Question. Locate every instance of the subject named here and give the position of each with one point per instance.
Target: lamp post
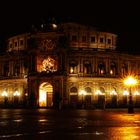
(130, 81)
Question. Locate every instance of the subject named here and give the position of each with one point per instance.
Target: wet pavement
(40, 124)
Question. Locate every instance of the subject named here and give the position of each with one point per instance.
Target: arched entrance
(88, 97)
(114, 96)
(45, 95)
(101, 98)
(73, 97)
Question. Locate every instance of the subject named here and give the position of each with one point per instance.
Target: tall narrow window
(93, 39)
(101, 39)
(101, 68)
(6, 69)
(108, 41)
(87, 67)
(15, 44)
(84, 39)
(124, 69)
(21, 42)
(73, 67)
(74, 38)
(112, 68)
(16, 69)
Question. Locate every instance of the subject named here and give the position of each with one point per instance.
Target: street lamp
(130, 81)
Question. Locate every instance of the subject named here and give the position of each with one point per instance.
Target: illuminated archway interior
(45, 95)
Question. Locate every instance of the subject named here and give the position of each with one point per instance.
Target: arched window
(73, 96)
(88, 89)
(113, 91)
(101, 68)
(102, 90)
(73, 90)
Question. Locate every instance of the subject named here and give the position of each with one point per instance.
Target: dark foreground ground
(40, 124)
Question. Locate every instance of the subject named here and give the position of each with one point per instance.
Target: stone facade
(71, 65)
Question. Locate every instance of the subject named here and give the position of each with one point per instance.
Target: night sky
(121, 18)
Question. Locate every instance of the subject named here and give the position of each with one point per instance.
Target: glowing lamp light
(136, 93)
(4, 94)
(113, 92)
(16, 93)
(82, 92)
(130, 81)
(125, 92)
(102, 71)
(98, 92)
(71, 70)
(54, 26)
(111, 72)
(42, 98)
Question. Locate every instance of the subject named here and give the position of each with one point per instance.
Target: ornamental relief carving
(47, 44)
(49, 65)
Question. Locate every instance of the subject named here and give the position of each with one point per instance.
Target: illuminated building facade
(69, 63)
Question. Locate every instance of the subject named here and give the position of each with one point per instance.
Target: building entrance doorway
(45, 95)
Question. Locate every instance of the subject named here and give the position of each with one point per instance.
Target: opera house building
(70, 63)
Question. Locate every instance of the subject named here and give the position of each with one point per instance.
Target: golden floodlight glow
(98, 92)
(42, 98)
(111, 72)
(130, 81)
(71, 70)
(16, 93)
(54, 26)
(4, 94)
(82, 92)
(125, 92)
(136, 93)
(113, 92)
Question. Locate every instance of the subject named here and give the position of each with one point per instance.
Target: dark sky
(114, 16)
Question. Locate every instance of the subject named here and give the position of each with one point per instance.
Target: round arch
(73, 96)
(45, 95)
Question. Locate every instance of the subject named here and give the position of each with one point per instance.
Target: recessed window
(10, 46)
(113, 68)
(73, 90)
(108, 41)
(15, 44)
(101, 68)
(6, 69)
(84, 39)
(124, 69)
(87, 67)
(101, 39)
(74, 38)
(93, 39)
(21, 42)
(73, 67)
(16, 69)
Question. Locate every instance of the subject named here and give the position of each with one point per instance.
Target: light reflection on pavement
(69, 124)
